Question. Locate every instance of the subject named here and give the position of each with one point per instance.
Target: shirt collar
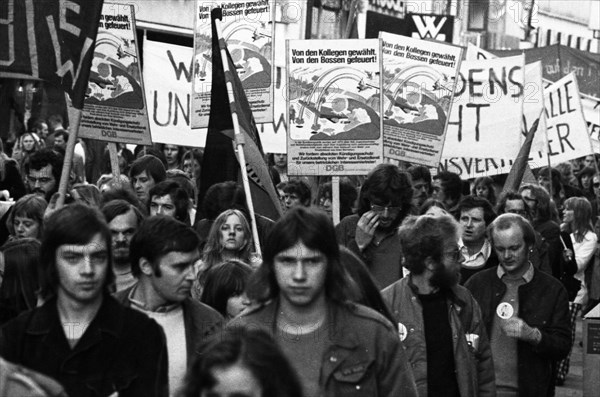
(527, 276)
(485, 251)
(142, 306)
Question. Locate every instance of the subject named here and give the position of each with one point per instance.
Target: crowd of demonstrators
(181, 267)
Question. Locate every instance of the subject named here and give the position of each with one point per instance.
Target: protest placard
(168, 76)
(115, 105)
(487, 110)
(568, 136)
(247, 29)
(591, 113)
(419, 79)
(334, 102)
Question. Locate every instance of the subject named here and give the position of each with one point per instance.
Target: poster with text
(115, 106)
(487, 111)
(334, 101)
(419, 79)
(247, 27)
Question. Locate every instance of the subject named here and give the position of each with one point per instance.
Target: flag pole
(238, 136)
(114, 160)
(66, 170)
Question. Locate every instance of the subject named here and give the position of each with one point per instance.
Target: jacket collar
(451, 293)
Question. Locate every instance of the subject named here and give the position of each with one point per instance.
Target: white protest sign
(247, 27)
(335, 107)
(568, 136)
(419, 80)
(168, 77)
(487, 111)
(591, 113)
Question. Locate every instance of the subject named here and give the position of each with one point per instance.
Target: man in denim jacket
(338, 348)
(438, 320)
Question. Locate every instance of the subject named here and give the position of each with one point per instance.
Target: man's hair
(451, 184)
(125, 193)
(390, 185)
(470, 202)
(543, 210)
(73, 224)
(222, 196)
(315, 230)
(118, 207)
(420, 172)
(300, 188)
(554, 175)
(42, 158)
(255, 351)
(63, 133)
(178, 195)
(506, 221)
(152, 165)
(156, 237)
(423, 237)
(29, 206)
(510, 196)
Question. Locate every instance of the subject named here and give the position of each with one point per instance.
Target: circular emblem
(505, 310)
(402, 331)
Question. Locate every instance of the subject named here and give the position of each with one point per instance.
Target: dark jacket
(122, 351)
(474, 367)
(543, 304)
(384, 259)
(363, 356)
(200, 321)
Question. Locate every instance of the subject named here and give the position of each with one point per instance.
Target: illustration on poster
(418, 98)
(114, 75)
(341, 103)
(252, 60)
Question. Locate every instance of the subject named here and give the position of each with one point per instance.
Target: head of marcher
(512, 238)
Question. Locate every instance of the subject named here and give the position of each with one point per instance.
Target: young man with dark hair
(123, 221)
(475, 214)
(163, 252)
(296, 192)
(170, 199)
(81, 336)
(447, 343)
(339, 348)
(525, 312)
(43, 172)
(385, 199)
(421, 184)
(448, 188)
(146, 172)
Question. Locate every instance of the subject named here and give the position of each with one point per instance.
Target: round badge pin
(505, 310)
(402, 331)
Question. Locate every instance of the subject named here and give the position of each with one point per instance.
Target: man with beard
(525, 312)
(163, 252)
(123, 221)
(338, 347)
(384, 201)
(43, 172)
(439, 321)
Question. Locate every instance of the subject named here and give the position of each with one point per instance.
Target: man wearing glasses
(384, 201)
(43, 172)
(439, 321)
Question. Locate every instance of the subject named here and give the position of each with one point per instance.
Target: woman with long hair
(229, 237)
(484, 187)
(225, 288)
(577, 221)
(26, 145)
(20, 283)
(11, 183)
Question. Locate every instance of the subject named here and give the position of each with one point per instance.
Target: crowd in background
(162, 181)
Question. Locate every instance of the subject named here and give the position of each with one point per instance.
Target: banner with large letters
(49, 40)
(487, 111)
